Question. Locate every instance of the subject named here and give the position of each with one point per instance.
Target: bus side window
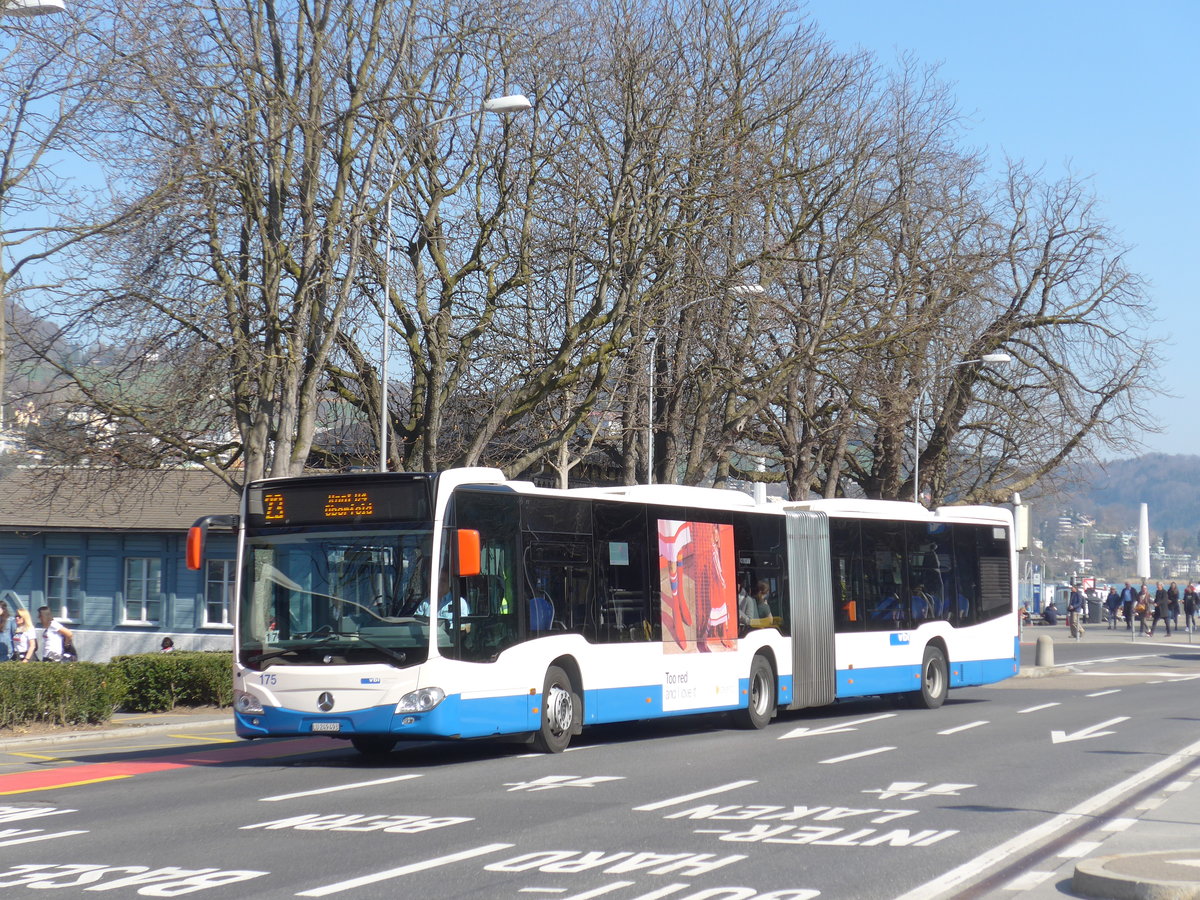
(846, 570)
(622, 609)
(490, 623)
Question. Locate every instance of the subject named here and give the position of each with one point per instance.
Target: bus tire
(561, 708)
(373, 745)
(935, 679)
(760, 705)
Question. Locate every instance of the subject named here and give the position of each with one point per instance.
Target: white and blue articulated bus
(385, 607)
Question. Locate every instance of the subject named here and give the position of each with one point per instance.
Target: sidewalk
(1148, 852)
(122, 725)
(1152, 852)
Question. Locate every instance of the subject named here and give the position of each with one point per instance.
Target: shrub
(155, 682)
(56, 693)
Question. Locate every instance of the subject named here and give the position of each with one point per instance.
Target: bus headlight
(421, 701)
(247, 704)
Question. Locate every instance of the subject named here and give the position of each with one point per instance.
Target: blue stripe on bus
(900, 679)
(483, 717)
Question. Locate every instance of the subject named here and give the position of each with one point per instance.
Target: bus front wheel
(373, 745)
(760, 705)
(935, 679)
(560, 712)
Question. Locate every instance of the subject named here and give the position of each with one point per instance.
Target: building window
(62, 587)
(218, 588)
(143, 586)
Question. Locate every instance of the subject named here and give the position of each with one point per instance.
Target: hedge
(82, 692)
(155, 682)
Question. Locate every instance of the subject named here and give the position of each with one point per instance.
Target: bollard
(1044, 652)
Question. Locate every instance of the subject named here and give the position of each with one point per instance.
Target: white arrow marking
(1061, 737)
(839, 728)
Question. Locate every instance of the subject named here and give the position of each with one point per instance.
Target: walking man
(1128, 599)
(1075, 612)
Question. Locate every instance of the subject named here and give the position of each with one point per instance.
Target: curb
(116, 732)
(1138, 876)
(1045, 671)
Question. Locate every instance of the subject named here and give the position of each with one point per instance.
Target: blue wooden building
(104, 549)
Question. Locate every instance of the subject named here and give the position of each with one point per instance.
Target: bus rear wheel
(935, 679)
(560, 712)
(760, 704)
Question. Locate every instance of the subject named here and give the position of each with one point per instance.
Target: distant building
(104, 549)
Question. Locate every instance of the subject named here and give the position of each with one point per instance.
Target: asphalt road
(860, 800)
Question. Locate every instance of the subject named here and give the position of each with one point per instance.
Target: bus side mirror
(468, 552)
(198, 534)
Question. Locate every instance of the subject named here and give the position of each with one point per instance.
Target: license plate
(326, 726)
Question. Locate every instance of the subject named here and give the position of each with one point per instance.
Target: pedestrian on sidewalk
(1173, 601)
(1142, 608)
(1189, 607)
(25, 642)
(1111, 602)
(54, 637)
(8, 632)
(1128, 600)
(1075, 612)
(1162, 610)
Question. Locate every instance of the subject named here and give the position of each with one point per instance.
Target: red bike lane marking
(94, 773)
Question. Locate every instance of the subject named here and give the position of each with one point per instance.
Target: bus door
(811, 590)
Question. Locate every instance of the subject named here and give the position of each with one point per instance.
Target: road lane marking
(93, 773)
(1118, 824)
(990, 859)
(850, 756)
(1078, 849)
(204, 739)
(1105, 693)
(39, 837)
(688, 798)
(837, 728)
(1084, 734)
(410, 869)
(1028, 881)
(964, 727)
(337, 788)
(1036, 708)
(73, 776)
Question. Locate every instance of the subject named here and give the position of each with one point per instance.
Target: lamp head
(507, 104)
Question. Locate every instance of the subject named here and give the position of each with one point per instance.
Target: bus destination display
(314, 504)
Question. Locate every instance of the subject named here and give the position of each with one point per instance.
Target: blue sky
(1107, 90)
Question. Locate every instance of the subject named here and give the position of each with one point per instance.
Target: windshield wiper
(398, 655)
(271, 654)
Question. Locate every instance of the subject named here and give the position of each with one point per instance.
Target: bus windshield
(346, 596)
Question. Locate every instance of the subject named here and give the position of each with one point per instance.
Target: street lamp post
(738, 290)
(987, 359)
(506, 104)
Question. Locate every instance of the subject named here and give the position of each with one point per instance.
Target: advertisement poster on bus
(698, 586)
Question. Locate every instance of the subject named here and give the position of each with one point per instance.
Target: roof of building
(86, 499)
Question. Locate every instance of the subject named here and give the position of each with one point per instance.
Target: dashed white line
(688, 798)
(964, 727)
(1078, 849)
(387, 874)
(1036, 708)
(337, 788)
(39, 837)
(1028, 881)
(850, 756)
(1118, 824)
(1102, 693)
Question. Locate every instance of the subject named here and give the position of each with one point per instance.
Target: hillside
(1112, 495)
